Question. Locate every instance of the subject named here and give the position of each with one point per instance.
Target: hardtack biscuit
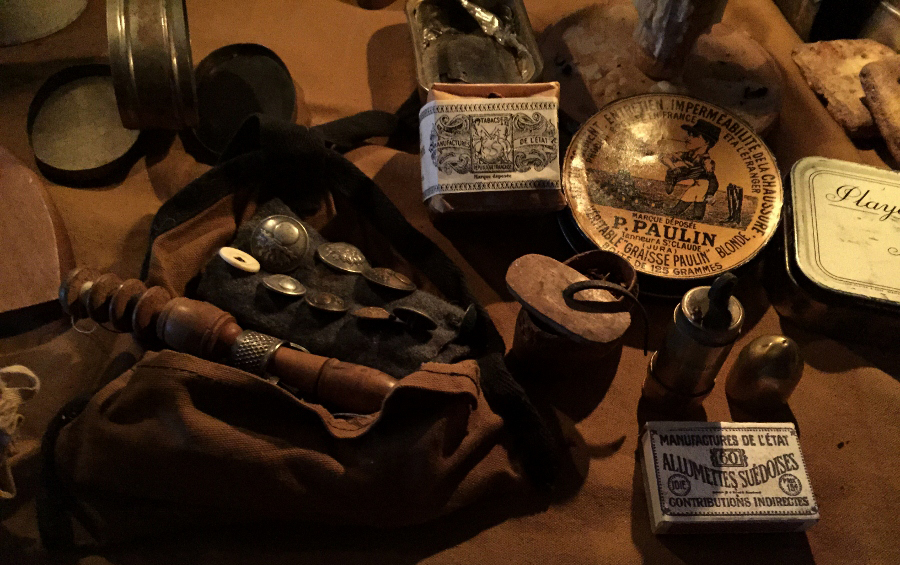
(880, 83)
(831, 68)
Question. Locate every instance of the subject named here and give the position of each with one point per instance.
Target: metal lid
(27, 21)
(150, 56)
(233, 83)
(75, 131)
(681, 188)
(844, 228)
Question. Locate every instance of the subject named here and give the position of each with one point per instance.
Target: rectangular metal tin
(428, 74)
(704, 477)
(839, 265)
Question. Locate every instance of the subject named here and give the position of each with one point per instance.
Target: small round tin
(233, 83)
(283, 284)
(326, 301)
(150, 56)
(343, 257)
(388, 278)
(681, 188)
(280, 243)
(75, 131)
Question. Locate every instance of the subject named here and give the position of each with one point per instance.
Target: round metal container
(150, 56)
(233, 83)
(681, 188)
(75, 131)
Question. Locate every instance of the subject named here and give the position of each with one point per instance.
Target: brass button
(280, 242)
(343, 257)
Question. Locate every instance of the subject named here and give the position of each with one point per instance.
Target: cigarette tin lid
(680, 187)
(844, 230)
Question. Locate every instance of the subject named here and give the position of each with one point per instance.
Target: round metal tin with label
(681, 188)
(837, 269)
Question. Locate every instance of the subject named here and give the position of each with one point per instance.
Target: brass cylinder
(686, 366)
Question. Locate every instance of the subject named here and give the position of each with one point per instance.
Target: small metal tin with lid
(837, 268)
(475, 43)
(680, 187)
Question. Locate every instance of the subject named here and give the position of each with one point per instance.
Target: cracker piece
(831, 68)
(880, 81)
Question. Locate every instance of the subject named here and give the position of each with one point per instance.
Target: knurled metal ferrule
(251, 351)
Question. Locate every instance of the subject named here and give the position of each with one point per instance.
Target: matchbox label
(721, 469)
(679, 187)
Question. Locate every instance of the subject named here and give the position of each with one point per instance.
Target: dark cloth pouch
(180, 442)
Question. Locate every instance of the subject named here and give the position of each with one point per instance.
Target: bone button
(239, 259)
(389, 279)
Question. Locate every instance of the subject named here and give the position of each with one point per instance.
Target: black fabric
(54, 502)
(287, 161)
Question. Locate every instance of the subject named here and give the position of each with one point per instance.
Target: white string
(17, 385)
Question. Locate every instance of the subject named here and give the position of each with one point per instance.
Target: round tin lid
(75, 131)
(681, 188)
(233, 83)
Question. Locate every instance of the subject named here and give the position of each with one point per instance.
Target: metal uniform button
(327, 301)
(415, 318)
(389, 279)
(283, 284)
(280, 243)
(239, 259)
(343, 257)
(372, 313)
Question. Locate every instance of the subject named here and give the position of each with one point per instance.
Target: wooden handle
(204, 330)
(331, 382)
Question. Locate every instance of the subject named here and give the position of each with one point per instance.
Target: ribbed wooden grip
(197, 328)
(204, 330)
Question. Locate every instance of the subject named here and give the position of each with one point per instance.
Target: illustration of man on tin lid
(693, 172)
